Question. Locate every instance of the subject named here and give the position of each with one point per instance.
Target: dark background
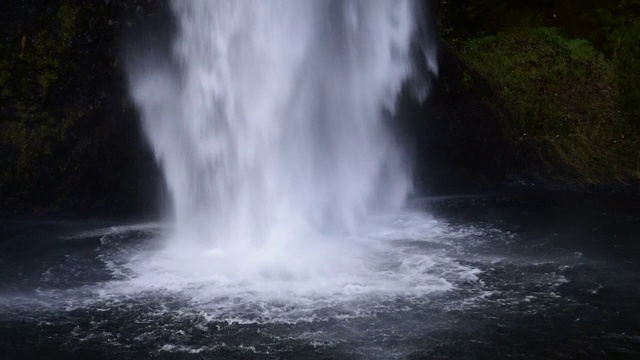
(511, 74)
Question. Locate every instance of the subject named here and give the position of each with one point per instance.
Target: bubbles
(400, 256)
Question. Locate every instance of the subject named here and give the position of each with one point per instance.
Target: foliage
(32, 129)
(562, 96)
(568, 72)
(597, 21)
(61, 96)
(626, 60)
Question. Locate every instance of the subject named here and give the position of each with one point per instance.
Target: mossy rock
(66, 142)
(563, 97)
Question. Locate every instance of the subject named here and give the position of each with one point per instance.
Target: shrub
(563, 97)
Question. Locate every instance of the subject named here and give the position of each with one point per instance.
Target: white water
(269, 126)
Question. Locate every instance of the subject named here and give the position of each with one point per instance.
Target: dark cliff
(541, 92)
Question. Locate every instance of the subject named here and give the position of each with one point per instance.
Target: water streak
(270, 124)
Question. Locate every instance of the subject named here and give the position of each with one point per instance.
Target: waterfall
(272, 119)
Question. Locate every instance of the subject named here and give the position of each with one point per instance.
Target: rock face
(69, 138)
(456, 134)
(563, 76)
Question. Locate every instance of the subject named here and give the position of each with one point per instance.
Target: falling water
(270, 125)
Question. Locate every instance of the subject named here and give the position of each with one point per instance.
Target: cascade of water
(271, 122)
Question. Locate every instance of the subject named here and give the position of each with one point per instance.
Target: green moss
(627, 65)
(46, 79)
(67, 16)
(562, 95)
(467, 80)
(34, 121)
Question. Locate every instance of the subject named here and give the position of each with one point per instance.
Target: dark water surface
(529, 276)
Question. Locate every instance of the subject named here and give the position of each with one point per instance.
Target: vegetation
(568, 74)
(562, 95)
(65, 124)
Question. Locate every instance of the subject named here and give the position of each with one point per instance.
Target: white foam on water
(337, 278)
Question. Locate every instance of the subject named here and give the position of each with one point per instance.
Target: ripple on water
(406, 269)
